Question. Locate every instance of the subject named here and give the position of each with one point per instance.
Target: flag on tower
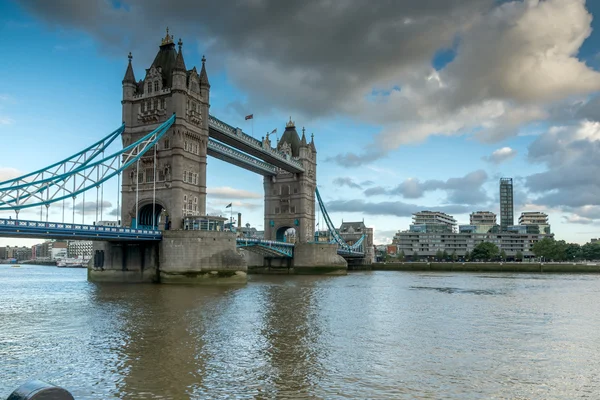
(273, 131)
(229, 205)
(251, 116)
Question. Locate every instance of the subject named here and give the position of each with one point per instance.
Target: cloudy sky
(414, 104)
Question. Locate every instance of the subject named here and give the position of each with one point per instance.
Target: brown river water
(368, 335)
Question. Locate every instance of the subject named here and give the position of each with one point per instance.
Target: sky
(413, 105)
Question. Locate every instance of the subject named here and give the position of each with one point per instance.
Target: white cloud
(7, 173)
(501, 155)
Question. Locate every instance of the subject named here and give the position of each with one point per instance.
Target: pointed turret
(312, 142)
(303, 140)
(203, 75)
(179, 63)
(129, 76)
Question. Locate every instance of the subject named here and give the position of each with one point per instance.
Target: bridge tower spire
(180, 189)
(290, 198)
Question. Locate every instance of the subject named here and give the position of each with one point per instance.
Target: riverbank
(528, 267)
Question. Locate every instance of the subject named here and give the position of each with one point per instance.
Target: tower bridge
(167, 134)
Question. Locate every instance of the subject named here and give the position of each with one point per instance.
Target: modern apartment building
(535, 222)
(480, 222)
(428, 244)
(432, 222)
(506, 204)
(79, 249)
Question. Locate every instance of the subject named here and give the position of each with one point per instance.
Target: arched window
(149, 87)
(184, 175)
(156, 86)
(156, 104)
(185, 145)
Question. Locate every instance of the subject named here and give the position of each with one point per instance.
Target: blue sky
(425, 107)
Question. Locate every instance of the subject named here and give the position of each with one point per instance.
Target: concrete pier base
(124, 262)
(309, 259)
(191, 257)
(200, 257)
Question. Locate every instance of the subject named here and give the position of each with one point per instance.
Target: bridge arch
(283, 233)
(149, 211)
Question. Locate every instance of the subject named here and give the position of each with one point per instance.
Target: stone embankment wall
(567, 268)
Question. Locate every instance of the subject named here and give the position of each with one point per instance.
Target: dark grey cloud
(394, 208)
(464, 190)
(571, 181)
(115, 212)
(346, 182)
(321, 58)
(367, 183)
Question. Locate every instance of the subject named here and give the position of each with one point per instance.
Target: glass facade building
(506, 204)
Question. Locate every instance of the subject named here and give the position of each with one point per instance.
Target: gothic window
(293, 209)
(190, 204)
(285, 190)
(149, 87)
(149, 175)
(163, 104)
(167, 144)
(195, 204)
(189, 177)
(184, 175)
(195, 178)
(194, 106)
(156, 86)
(185, 145)
(140, 177)
(295, 190)
(276, 210)
(143, 106)
(284, 209)
(161, 175)
(149, 106)
(156, 104)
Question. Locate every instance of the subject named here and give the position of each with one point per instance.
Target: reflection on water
(365, 335)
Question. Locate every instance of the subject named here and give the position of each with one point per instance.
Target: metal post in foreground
(38, 390)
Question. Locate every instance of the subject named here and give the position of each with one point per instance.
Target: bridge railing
(265, 242)
(75, 227)
(221, 148)
(239, 134)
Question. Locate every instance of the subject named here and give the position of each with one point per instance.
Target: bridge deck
(59, 230)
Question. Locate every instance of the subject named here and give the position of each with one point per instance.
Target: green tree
(415, 256)
(591, 251)
(544, 248)
(445, 255)
(519, 256)
(401, 256)
(502, 255)
(467, 256)
(439, 255)
(485, 251)
(573, 252)
(454, 257)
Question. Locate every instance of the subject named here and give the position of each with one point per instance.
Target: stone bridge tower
(168, 87)
(290, 198)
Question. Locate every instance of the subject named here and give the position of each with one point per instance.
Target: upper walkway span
(236, 138)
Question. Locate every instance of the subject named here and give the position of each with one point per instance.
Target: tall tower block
(506, 204)
(168, 87)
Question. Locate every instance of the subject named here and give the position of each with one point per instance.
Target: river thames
(368, 335)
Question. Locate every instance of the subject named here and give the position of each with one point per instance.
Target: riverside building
(426, 245)
(506, 204)
(433, 222)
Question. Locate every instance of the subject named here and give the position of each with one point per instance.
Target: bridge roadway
(66, 231)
